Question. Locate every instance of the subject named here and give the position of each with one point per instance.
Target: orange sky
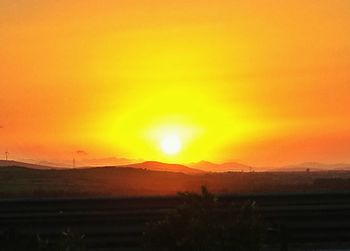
(261, 82)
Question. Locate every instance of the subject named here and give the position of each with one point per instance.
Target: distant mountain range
(159, 166)
(224, 167)
(199, 167)
(147, 165)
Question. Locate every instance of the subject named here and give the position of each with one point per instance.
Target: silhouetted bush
(203, 223)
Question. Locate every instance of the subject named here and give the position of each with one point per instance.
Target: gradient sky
(264, 82)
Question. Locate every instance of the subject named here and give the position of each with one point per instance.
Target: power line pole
(6, 155)
(73, 162)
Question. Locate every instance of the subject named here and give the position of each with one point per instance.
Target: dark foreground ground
(110, 206)
(22, 182)
(294, 221)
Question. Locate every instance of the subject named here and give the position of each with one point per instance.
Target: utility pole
(73, 162)
(6, 155)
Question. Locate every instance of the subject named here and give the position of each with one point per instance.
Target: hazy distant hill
(109, 161)
(137, 181)
(9, 163)
(313, 166)
(159, 166)
(224, 167)
(149, 165)
(199, 167)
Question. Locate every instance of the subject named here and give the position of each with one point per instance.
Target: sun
(171, 144)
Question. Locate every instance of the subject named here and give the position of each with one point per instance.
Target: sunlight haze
(262, 82)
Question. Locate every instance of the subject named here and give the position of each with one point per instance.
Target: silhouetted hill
(159, 166)
(130, 181)
(224, 167)
(148, 165)
(10, 163)
(95, 181)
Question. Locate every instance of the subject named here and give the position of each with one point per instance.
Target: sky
(263, 82)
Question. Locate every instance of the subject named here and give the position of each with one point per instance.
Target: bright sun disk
(170, 144)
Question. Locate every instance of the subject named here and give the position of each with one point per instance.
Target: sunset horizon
(262, 83)
(157, 125)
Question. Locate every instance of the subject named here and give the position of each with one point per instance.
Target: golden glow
(240, 80)
(171, 144)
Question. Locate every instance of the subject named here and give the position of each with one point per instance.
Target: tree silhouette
(202, 223)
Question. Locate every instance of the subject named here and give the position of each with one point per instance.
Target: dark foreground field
(292, 221)
(109, 207)
(113, 181)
